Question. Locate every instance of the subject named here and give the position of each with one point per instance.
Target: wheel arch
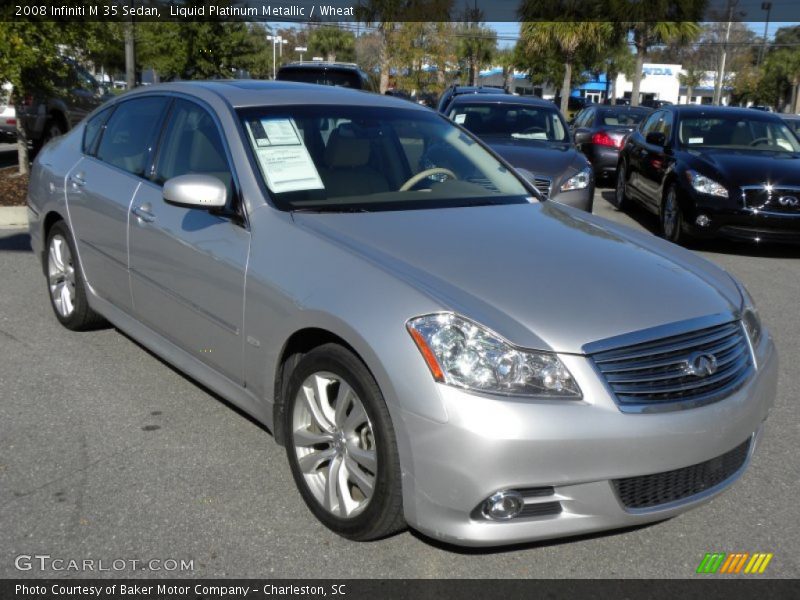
(50, 219)
(298, 344)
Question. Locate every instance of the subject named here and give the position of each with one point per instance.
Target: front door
(188, 265)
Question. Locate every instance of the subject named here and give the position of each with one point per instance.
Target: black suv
(327, 73)
(78, 94)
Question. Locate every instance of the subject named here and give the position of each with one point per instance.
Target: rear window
(623, 118)
(340, 78)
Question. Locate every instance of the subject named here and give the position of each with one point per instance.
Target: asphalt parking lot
(108, 453)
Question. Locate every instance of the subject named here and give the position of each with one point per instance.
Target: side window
(192, 145)
(130, 134)
(93, 129)
(666, 125)
(588, 117)
(651, 124)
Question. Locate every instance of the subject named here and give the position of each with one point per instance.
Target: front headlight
(466, 355)
(580, 181)
(706, 185)
(750, 317)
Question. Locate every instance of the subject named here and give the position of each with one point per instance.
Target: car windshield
(355, 158)
(520, 121)
(735, 132)
(333, 77)
(624, 118)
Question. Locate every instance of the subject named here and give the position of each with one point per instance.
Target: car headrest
(346, 149)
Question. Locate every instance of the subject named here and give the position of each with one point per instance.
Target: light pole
(276, 41)
(300, 49)
(767, 6)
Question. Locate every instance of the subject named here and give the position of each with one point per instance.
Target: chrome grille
(762, 198)
(693, 368)
(542, 185)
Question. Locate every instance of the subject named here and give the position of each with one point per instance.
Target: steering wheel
(757, 141)
(415, 179)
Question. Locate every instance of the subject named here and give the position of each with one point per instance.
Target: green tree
(567, 41)
(678, 26)
(332, 42)
(475, 48)
(691, 78)
(30, 60)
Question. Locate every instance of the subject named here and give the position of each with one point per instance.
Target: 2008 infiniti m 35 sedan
(432, 343)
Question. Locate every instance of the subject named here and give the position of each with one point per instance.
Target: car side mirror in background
(196, 191)
(656, 138)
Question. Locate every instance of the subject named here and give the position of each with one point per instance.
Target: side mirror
(196, 191)
(656, 138)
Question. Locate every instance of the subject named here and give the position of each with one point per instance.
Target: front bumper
(580, 199)
(491, 443)
(740, 224)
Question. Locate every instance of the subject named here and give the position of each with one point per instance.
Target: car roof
(500, 98)
(242, 93)
(622, 108)
(695, 110)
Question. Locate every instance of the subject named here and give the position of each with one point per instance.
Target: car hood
(547, 160)
(740, 167)
(542, 275)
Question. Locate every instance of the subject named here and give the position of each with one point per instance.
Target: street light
(276, 41)
(300, 49)
(767, 6)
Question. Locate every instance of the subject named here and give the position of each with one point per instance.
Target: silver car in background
(432, 344)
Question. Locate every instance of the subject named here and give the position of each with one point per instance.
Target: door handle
(143, 214)
(77, 180)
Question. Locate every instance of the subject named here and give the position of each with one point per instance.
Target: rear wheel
(65, 282)
(341, 445)
(621, 191)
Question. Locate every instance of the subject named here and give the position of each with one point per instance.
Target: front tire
(65, 282)
(671, 217)
(341, 445)
(621, 189)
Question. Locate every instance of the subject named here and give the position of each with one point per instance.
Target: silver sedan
(416, 327)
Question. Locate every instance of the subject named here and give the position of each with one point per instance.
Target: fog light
(503, 505)
(702, 221)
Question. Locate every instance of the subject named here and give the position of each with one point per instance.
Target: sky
(510, 31)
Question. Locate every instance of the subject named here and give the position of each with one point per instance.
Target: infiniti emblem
(788, 201)
(701, 365)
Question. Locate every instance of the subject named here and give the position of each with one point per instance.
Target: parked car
(430, 351)
(327, 73)
(8, 116)
(793, 121)
(78, 93)
(762, 108)
(715, 171)
(453, 91)
(656, 103)
(600, 133)
(532, 136)
(575, 104)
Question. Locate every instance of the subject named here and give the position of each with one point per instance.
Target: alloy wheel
(61, 275)
(670, 214)
(335, 444)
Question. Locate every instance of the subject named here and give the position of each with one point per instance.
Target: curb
(13, 216)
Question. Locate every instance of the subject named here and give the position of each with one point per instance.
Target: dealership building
(660, 82)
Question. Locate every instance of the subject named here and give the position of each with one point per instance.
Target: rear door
(636, 151)
(101, 186)
(188, 265)
(654, 165)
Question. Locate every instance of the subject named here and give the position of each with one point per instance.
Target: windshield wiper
(329, 209)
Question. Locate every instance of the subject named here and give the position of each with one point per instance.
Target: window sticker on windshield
(695, 140)
(536, 135)
(460, 118)
(284, 159)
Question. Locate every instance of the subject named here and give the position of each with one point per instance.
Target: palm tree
(476, 46)
(692, 78)
(330, 40)
(650, 33)
(568, 40)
